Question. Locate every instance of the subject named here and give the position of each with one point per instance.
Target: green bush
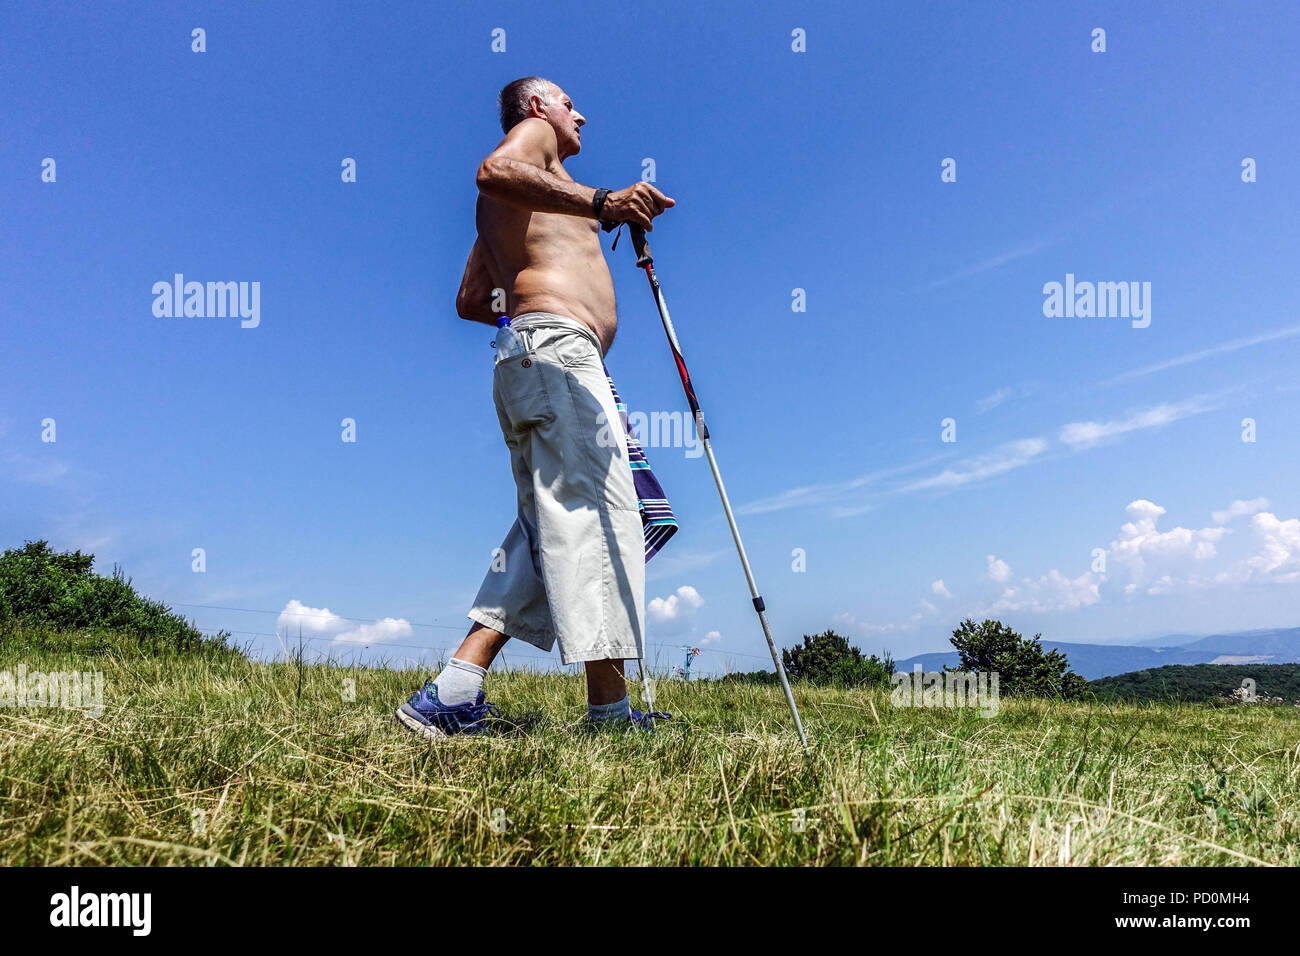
(761, 678)
(829, 660)
(51, 591)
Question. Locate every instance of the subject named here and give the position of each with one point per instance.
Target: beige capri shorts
(572, 567)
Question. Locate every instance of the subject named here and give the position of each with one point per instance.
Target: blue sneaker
(427, 715)
(643, 721)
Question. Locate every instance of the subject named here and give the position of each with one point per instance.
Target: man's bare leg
(605, 683)
(481, 646)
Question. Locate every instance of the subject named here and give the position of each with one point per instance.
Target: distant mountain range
(1091, 661)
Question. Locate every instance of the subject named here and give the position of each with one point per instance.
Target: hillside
(56, 600)
(1201, 682)
(1094, 661)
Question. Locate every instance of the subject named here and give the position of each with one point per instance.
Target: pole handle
(643, 257)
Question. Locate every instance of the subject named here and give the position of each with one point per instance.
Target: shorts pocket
(573, 349)
(519, 383)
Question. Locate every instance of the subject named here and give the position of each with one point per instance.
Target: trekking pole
(645, 261)
(647, 688)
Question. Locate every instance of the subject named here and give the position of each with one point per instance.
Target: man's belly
(590, 302)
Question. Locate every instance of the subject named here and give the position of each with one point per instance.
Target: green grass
(286, 772)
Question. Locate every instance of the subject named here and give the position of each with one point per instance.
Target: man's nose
(580, 119)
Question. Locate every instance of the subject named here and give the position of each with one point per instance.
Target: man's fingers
(643, 212)
(654, 201)
(661, 200)
(643, 202)
(650, 199)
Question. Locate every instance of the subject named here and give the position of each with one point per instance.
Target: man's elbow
(473, 311)
(489, 174)
(462, 307)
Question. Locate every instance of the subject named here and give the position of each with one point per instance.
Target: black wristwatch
(598, 203)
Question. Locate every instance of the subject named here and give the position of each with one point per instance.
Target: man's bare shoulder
(531, 141)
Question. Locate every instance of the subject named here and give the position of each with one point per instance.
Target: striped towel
(657, 519)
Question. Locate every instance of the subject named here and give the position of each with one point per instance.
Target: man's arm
(515, 173)
(477, 288)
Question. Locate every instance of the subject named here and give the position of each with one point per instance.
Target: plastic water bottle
(508, 342)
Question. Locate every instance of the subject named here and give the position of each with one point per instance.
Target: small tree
(1023, 667)
(828, 658)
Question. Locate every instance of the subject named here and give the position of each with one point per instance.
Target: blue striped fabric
(657, 519)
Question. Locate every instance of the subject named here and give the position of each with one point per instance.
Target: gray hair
(515, 97)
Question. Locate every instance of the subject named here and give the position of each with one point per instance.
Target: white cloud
(44, 470)
(862, 494)
(1051, 592)
(1011, 455)
(1272, 556)
(1001, 259)
(852, 624)
(830, 492)
(1239, 508)
(1140, 542)
(1190, 357)
(675, 612)
(1142, 560)
(1083, 435)
(388, 629)
(990, 402)
(323, 623)
(1278, 556)
(312, 621)
(711, 638)
(669, 563)
(1165, 584)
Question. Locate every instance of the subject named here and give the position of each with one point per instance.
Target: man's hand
(637, 204)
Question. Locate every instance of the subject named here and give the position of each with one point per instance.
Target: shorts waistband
(538, 320)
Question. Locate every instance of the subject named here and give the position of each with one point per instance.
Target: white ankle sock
(619, 710)
(459, 682)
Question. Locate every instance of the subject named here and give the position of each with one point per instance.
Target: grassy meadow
(211, 759)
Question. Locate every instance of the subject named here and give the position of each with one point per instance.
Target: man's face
(566, 121)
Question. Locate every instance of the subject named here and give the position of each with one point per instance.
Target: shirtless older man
(572, 568)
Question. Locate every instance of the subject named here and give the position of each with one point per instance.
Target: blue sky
(816, 170)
